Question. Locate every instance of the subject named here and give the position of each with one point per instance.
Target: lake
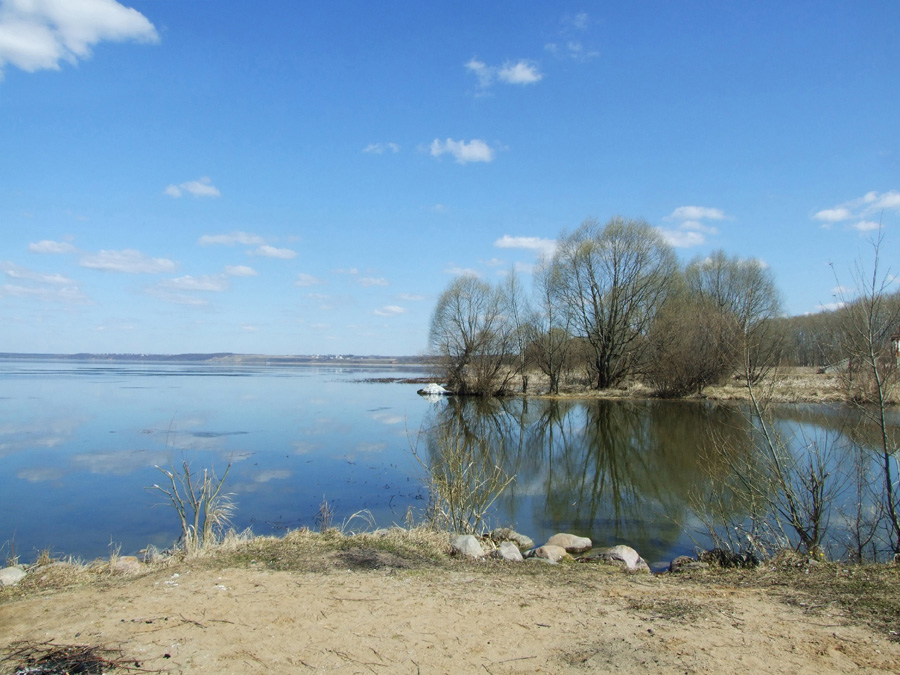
(80, 443)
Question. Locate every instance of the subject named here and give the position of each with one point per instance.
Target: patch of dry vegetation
(867, 594)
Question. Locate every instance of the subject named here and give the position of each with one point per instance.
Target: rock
(508, 551)
(467, 545)
(723, 558)
(500, 534)
(549, 552)
(570, 542)
(685, 563)
(10, 576)
(127, 564)
(623, 556)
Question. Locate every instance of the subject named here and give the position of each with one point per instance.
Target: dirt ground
(371, 612)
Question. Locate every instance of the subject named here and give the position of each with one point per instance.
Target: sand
(462, 618)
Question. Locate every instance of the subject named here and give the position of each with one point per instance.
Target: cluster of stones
(507, 544)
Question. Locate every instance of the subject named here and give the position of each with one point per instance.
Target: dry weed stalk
(204, 511)
(462, 478)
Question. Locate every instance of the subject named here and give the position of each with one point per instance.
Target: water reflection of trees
(616, 471)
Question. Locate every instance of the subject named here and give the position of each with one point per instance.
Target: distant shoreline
(227, 358)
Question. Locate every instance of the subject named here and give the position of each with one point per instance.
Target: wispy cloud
(691, 230)
(63, 294)
(128, 261)
(390, 310)
(240, 271)
(569, 43)
(461, 271)
(543, 247)
(39, 35)
(268, 251)
(202, 283)
(464, 152)
(368, 282)
(860, 210)
(306, 280)
(696, 213)
(519, 72)
(26, 283)
(14, 271)
(231, 239)
(47, 246)
(381, 148)
(198, 188)
(410, 297)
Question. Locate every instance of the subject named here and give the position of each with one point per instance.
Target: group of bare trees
(613, 303)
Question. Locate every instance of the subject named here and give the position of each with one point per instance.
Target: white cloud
(697, 226)
(696, 213)
(682, 238)
(368, 282)
(64, 294)
(830, 306)
(240, 271)
(201, 283)
(14, 271)
(271, 252)
(865, 225)
(38, 34)
(544, 247)
(572, 28)
(889, 201)
(474, 151)
(691, 231)
(381, 148)
(410, 297)
(46, 246)
(482, 71)
(521, 72)
(305, 280)
(128, 261)
(198, 188)
(834, 215)
(861, 210)
(390, 310)
(177, 298)
(231, 239)
(347, 270)
(461, 271)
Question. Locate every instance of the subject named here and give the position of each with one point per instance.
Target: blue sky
(301, 178)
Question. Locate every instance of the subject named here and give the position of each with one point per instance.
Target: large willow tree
(613, 279)
(474, 336)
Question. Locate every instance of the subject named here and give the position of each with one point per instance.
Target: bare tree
(519, 314)
(473, 337)
(744, 290)
(614, 278)
(872, 375)
(550, 335)
(691, 344)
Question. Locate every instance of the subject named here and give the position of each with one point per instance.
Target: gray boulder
(501, 534)
(467, 545)
(549, 552)
(10, 576)
(623, 556)
(508, 551)
(570, 542)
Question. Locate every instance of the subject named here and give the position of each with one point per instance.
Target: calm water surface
(79, 444)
